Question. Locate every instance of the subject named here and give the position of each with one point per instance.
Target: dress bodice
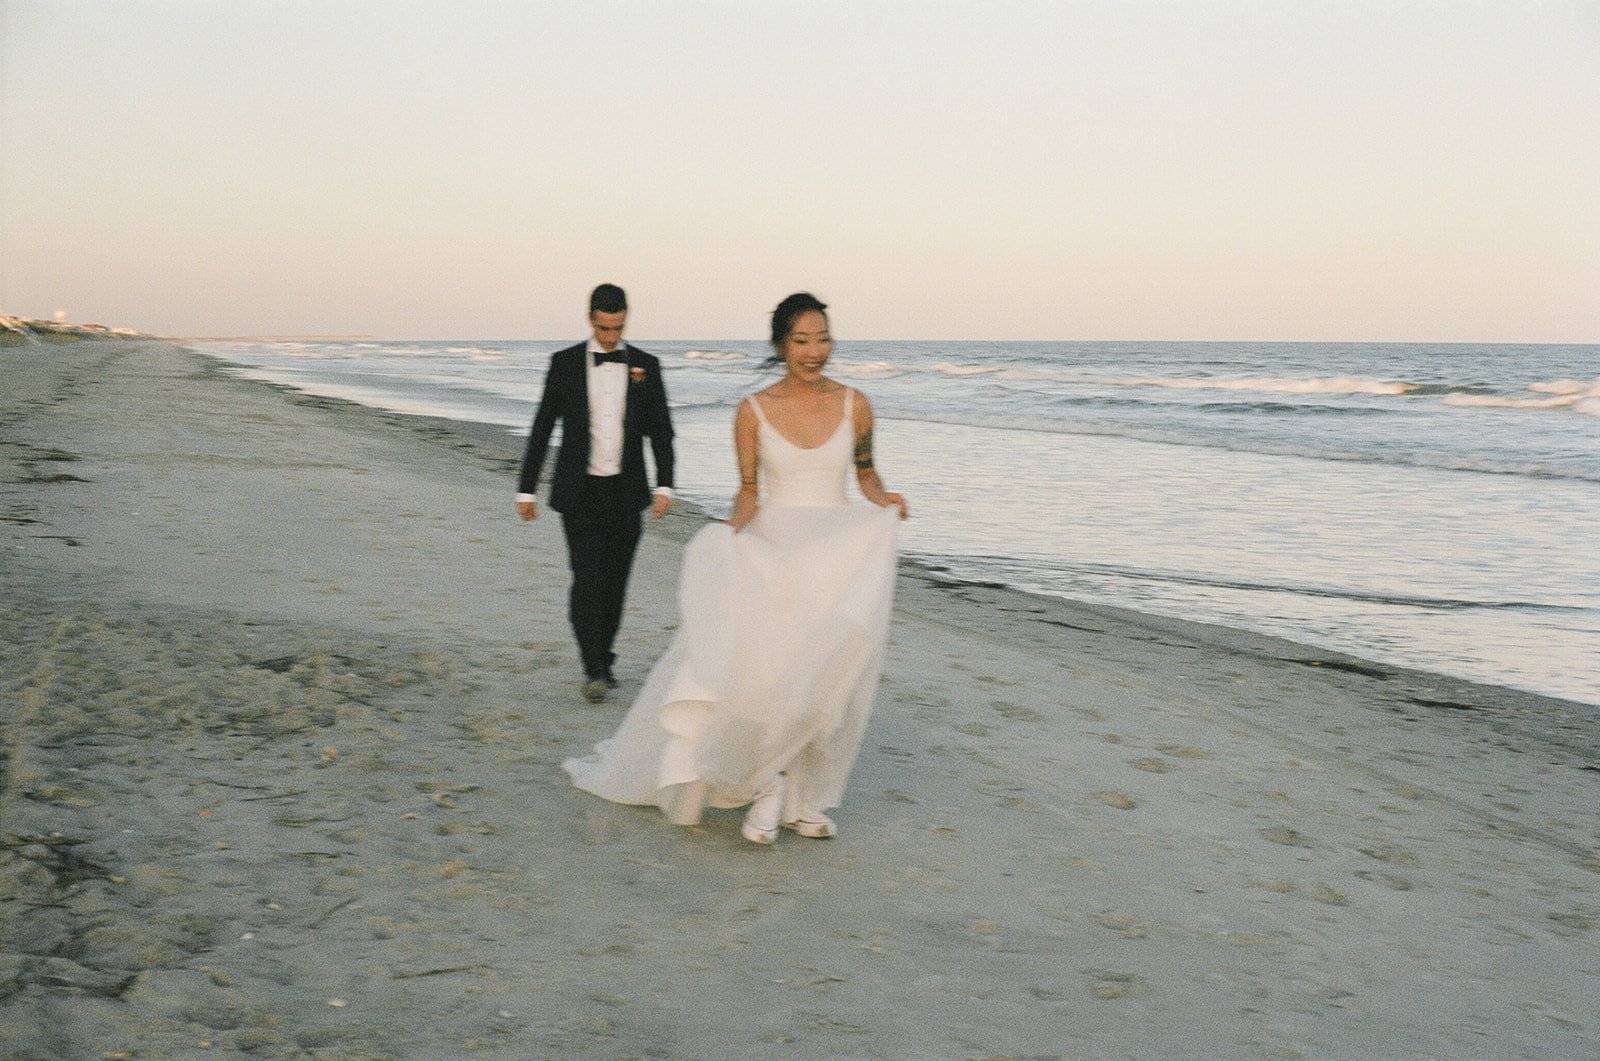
(795, 475)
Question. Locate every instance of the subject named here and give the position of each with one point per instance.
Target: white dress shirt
(608, 391)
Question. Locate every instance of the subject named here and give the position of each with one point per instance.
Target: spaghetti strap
(756, 405)
(849, 403)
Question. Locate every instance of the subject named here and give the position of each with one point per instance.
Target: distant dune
(19, 331)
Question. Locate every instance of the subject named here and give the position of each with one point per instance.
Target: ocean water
(1430, 505)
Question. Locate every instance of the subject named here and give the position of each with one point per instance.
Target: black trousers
(602, 531)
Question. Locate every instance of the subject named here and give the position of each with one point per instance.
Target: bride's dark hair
(783, 319)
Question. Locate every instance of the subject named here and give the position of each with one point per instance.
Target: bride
(763, 695)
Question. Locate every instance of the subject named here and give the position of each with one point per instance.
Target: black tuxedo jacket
(566, 398)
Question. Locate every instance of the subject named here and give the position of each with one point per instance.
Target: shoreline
(288, 687)
(688, 517)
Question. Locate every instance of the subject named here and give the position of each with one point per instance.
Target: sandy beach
(286, 687)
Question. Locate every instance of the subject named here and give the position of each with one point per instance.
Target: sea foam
(1274, 385)
(1580, 397)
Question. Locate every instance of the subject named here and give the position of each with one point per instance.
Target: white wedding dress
(778, 654)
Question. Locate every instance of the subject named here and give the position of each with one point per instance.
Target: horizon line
(871, 339)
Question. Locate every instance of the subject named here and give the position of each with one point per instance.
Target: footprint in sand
(1572, 923)
(1017, 713)
(1388, 880)
(1395, 856)
(1324, 894)
(1115, 799)
(1122, 923)
(1282, 887)
(1282, 834)
(1152, 766)
(1108, 985)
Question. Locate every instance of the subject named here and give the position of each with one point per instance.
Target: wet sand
(286, 687)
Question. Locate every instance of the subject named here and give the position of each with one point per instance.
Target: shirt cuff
(664, 491)
(526, 497)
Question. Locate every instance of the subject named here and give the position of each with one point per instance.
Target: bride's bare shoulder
(855, 396)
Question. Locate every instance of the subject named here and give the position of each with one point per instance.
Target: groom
(608, 396)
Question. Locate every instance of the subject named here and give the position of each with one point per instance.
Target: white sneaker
(815, 824)
(761, 820)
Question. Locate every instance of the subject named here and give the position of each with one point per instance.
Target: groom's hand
(659, 506)
(528, 510)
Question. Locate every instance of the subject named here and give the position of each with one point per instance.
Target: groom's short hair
(608, 298)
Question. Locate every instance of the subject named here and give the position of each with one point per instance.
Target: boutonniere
(636, 374)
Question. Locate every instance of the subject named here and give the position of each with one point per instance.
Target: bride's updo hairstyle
(783, 319)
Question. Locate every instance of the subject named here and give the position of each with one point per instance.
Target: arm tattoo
(864, 452)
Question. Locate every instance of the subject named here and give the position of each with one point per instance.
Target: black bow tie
(614, 357)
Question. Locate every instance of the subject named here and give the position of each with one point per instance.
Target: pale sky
(1210, 169)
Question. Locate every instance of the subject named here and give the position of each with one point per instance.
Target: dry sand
(286, 689)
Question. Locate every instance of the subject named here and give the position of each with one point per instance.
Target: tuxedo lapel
(578, 416)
